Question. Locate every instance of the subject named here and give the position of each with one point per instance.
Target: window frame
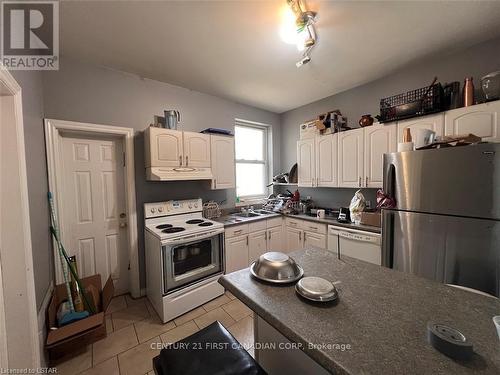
(266, 160)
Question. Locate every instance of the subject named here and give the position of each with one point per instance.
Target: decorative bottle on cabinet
(468, 92)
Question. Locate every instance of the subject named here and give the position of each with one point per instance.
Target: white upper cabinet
(350, 158)
(164, 147)
(480, 120)
(379, 139)
(222, 154)
(326, 160)
(196, 149)
(431, 122)
(305, 162)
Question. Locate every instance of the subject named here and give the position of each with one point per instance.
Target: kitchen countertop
(327, 220)
(381, 313)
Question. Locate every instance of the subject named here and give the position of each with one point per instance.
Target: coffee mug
(320, 214)
(423, 137)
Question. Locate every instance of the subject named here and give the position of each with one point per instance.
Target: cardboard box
(74, 336)
(371, 218)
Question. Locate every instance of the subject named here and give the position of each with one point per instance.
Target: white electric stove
(184, 257)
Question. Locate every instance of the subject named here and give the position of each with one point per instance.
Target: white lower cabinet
(301, 234)
(314, 240)
(294, 239)
(257, 245)
(275, 239)
(245, 243)
(236, 253)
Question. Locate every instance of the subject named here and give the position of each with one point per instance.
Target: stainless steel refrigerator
(446, 225)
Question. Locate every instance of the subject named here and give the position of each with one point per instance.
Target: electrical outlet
(368, 204)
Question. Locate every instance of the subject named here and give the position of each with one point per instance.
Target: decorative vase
(366, 120)
(468, 92)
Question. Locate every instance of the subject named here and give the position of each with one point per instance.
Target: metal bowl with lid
(276, 267)
(316, 289)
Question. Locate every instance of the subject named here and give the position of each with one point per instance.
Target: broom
(65, 264)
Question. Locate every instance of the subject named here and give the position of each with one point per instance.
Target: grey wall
(32, 93)
(86, 93)
(475, 61)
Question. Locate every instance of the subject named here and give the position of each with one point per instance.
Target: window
(251, 160)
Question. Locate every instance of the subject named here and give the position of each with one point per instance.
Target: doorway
(91, 176)
(18, 314)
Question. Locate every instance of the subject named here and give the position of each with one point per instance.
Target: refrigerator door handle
(387, 238)
(390, 183)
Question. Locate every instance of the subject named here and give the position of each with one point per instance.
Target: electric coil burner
(184, 257)
(173, 230)
(205, 224)
(194, 221)
(164, 226)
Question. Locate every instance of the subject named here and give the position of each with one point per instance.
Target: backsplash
(330, 197)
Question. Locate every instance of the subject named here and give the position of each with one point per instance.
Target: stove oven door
(186, 263)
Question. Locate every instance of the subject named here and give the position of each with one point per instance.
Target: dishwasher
(355, 243)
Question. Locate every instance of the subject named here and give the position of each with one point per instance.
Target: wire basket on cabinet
(413, 103)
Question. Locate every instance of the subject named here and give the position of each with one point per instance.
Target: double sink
(245, 215)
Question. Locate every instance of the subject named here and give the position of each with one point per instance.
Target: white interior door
(94, 207)
(196, 150)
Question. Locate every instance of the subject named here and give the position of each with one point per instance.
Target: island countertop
(381, 313)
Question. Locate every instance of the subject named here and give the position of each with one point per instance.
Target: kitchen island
(378, 325)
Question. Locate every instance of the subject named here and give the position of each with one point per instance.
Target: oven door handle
(194, 237)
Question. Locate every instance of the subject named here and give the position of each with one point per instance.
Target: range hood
(178, 174)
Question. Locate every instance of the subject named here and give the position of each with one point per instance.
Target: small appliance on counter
(344, 215)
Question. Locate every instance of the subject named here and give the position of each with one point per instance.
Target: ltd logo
(30, 35)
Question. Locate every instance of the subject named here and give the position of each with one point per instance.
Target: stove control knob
(190, 206)
(153, 210)
(160, 209)
(196, 205)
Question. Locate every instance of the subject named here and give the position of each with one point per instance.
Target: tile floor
(133, 326)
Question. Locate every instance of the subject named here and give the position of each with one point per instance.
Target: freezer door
(448, 249)
(463, 181)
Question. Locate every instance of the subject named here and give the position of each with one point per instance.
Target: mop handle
(59, 246)
(75, 276)
(62, 251)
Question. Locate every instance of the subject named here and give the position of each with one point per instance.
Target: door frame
(15, 299)
(53, 130)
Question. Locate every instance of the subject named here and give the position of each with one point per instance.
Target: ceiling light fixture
(298, 28)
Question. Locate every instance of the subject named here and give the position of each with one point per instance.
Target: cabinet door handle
(300, 236)
(366, 181)
(180, 160)
(238, 231)
(265, 236)
(247, 240)
(359, 183)
(186, 160)
(269, 234)
(305, 236)
(215, 183)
